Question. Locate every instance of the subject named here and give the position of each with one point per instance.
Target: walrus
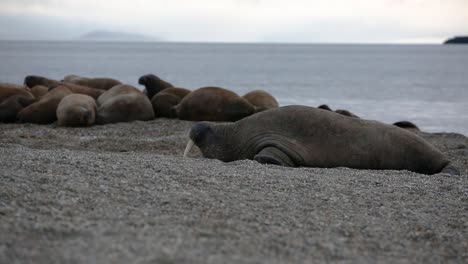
(79, 89)
(213, 104)
(76, 110)
(310, 137)
(10, 107)
(165, 101)
(153, 84)
(407, 125)
(44, 110)
(32, 81)
(123, 103)
(339, 111)
(261, 100)
(101, 83)
(9, 89)
(39, 90)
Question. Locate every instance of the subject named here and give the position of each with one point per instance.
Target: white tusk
(189, 147)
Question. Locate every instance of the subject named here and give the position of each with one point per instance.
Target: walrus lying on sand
(32, 81)
(76, 110)
(311, 137)
(123, 103)
(44, 110)
(261, 100)
(39, 90)
(164, 102)
(213, 104)
(9, 89)
(11, 106)
(101, 83)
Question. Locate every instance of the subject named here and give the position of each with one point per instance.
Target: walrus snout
(199, 135)
(144, 79)
(200, 132)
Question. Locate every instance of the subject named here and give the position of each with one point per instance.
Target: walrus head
(211, 139)
(153, 84)
(33, 80)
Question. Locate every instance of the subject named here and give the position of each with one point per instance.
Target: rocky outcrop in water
(457, 40)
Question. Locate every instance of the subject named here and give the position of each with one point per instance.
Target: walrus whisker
(188, 147)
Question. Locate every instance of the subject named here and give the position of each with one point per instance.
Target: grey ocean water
(426, 84)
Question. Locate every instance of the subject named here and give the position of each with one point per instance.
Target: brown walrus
(8, 89)
(32, 81)
(123, 103)
(165, 101)
(261, 100)
(101, 83)
(76, 110)
(213, 104)
(44, 110)
(79, 89)
(153, 84)
(10, 107)
(311, 137)
(39, 90)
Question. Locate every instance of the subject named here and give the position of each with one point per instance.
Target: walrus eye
(200, 132)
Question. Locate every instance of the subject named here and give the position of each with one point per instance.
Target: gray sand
(123, 194)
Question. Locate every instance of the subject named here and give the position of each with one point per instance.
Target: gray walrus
(261, 100)
(76, 110)
(311, 137)
(101, 83)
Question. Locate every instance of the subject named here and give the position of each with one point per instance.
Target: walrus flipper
(450, 169)
(272, 155)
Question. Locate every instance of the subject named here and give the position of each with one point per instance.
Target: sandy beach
(123, 193)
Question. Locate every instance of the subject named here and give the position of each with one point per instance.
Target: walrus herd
(254, 127)
(83, 101)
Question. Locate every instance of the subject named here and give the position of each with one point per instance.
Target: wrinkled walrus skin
(311, 137)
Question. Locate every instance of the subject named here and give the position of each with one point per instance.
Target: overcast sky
(335, 21)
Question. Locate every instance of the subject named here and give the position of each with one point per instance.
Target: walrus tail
(450, 169)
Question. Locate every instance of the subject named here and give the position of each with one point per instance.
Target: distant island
(457, 40)
(102, 35)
